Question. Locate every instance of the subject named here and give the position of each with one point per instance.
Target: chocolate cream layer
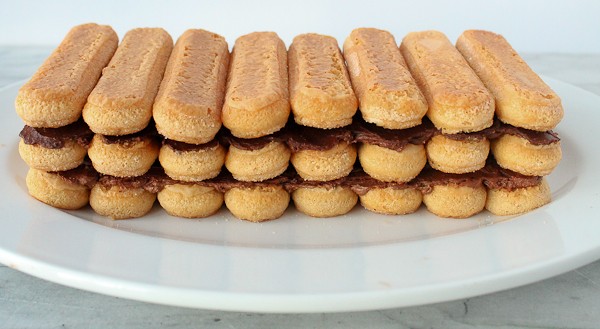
(84, 175)
(148, 133)
(55, 138)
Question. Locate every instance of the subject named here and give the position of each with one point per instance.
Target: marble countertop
(571, 300)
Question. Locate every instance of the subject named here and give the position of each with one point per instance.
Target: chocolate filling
(307, 138)
(397, 140)
(185, 147)
(361, 183)
(429, 177)
(84, 175)
(532, 136)
(297, 182)
(496, 177)
(148, 133)
(225, 182)
(55, 138)
(253, 144)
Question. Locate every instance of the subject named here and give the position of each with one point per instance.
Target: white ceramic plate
(360, 261)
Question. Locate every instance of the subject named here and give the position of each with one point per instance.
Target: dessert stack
(55, 139)
(255, 111)
(460, 129)
(187, 113)
(323, 105)
(119, 112)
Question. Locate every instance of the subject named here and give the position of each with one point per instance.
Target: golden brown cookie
(523, 99)
(121, 198)
(189, 101)
(457, 156)
(452, 195)
(520, 155)
(458, 101)
(390, 165)
(324, 201)
(327, 164)
(257, 97)
(322, 154)
(55, 149)
(258, 203)
(121, 102)
(387, 93)
(502, 201)
(55, 95)
(254, 164)
(124, 156)
(455, 201)
(321, 95)
(66, 190)
(392, 201)
(191, 163)
(190, 200)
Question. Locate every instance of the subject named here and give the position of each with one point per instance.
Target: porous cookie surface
(190, 201)
(523, 98)
(121, 102)
(257, 165)
(188, 105)
(324, 201)
(257, 96)
(320, 92)
(56, 93)
(458, 101)
(257, 204)
(457, 156)
(387, 93)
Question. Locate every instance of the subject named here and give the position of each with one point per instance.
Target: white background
(530, 25)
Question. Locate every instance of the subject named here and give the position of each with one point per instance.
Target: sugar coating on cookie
(258, 165)
(189, 200)
(118, 202)
(67, 157)
(189, 101)
(121, 102)
(392, 201)
(196, 164)
(391, 165)
(56, 191)
(503, 202)
(324, 201)
(455, 201)
(518, 154)
(56, 93)
(123, 158)
(387, 93)
(257, 95)
(325, 165)
(523, 99)
(458, 101)
(320, 91)
(457, 156)
(257, 204)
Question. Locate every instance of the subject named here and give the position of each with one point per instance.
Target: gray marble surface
(571, 300)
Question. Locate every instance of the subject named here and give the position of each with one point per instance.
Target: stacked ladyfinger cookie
(460, 129)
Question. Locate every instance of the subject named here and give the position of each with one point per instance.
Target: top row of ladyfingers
(194, 87)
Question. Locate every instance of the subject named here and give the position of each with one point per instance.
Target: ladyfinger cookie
(387, 93)
(257, 96)
(458, 100)
(522, 98)
(57, 92)
(121, 102)
(320, 91)
(188, 104)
